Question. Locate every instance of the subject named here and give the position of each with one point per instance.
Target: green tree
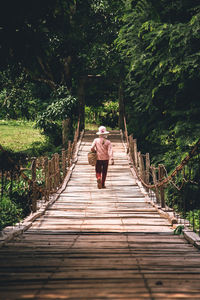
(56, 41)
(159, 44)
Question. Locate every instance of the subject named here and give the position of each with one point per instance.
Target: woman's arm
(110, 153)
(93, 147)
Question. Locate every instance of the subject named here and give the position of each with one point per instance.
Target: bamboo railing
(155, 180)
(47, 174)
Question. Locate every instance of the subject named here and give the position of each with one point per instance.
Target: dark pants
(101, 170)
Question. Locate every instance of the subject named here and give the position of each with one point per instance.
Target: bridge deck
(100, 244)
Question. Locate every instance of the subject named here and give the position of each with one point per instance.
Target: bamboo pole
(45, 166)
(126, 134)
(49, 187)
(155, 183)
(65, 132)
(33, 169)
(161, 174)
(81, 100)
(64, 162)
(34, 197)
(135, 153)
(34, 192)
(57, 169)
(141, 166)
(147, 168)
(121, 104)
(131, 147)
(53, 172)
(69, 150)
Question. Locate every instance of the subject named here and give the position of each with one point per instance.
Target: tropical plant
(63, 107)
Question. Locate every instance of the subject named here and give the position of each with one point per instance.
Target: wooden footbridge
(100, 243)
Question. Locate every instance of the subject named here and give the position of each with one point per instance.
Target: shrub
(9, 212)
(107, 114)
(50, 121)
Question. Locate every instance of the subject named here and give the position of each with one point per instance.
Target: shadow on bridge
(100, 244)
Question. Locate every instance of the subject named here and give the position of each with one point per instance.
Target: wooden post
(161, 174)
(46, 177)
(53, 172)
(69, 150)
(147, 168)
(34, 192)
(77, 130)
(40, 162)
(155, 183)
(49, 187)
(121, 105)
(131, 147)
(81, 100)
(65, 132)
(34, 198)
(135, 153)
(141, 166)
(64, 162)
(57, 169)
(76, 135)
(33, 169)
(126, 134)
(72, 150)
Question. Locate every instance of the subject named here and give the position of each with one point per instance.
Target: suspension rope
(169, 178)
(24, 176)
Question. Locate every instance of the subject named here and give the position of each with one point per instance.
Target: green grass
(19, 135)
(89, 126)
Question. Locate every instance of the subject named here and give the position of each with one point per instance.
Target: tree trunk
(121, 105)
(65, 132)
(81, 100)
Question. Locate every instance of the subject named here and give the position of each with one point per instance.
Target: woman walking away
(104, 151)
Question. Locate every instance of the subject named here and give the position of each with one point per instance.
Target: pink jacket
(103, 148)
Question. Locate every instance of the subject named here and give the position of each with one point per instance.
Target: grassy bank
(21, 140)
(17, 135)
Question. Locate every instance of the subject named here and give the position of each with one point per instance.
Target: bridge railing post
(46, 178)
(69, 150)
(34, 192)
(126, 134)
(64, 162)
(57, 170)
(147, 165)
(49, 176)
(141, 166)
(135, 152)
(53, 172)
(161, 173)
(131, 148)
(153, 169)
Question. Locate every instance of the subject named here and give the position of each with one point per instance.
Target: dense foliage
(62, 107)
(106, 114)
(55, 43)
(159, 43)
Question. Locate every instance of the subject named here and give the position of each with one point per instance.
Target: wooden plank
(100, 244)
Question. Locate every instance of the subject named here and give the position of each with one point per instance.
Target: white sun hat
(102, 130)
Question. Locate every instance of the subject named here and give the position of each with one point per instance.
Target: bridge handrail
(178, 168)
(187, 210)
(50, 168)
(174, 173)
